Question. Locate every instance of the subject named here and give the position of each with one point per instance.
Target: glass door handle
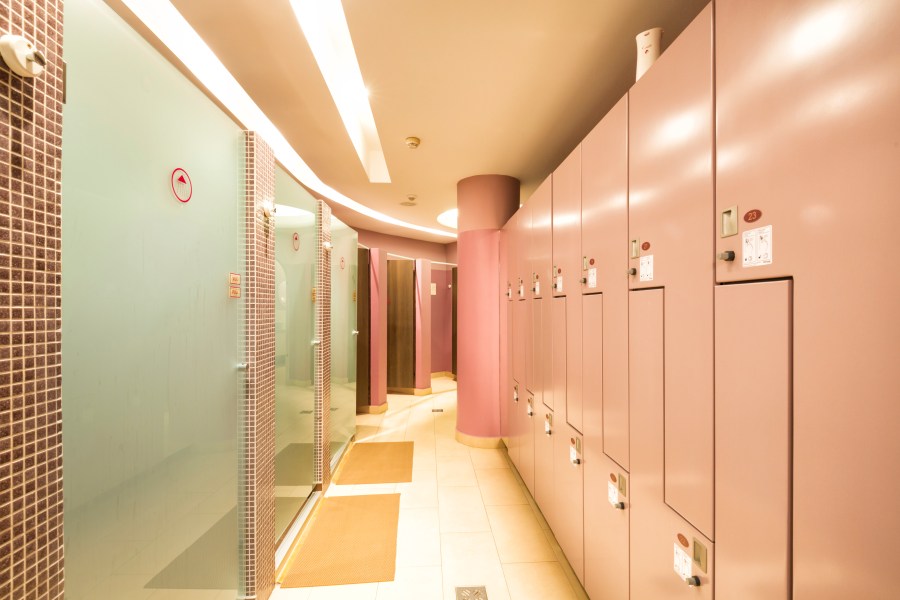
(354, 332)
(315, 343)
(241, 366)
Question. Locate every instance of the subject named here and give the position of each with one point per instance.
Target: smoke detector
(413, 142)
(410, 200)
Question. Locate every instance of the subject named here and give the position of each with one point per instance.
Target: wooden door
(364, 335)
(401, 367)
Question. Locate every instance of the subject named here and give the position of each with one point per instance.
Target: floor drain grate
(471, 593)
(442, 410)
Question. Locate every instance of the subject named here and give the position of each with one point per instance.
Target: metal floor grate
(471, 593)
(442, 410)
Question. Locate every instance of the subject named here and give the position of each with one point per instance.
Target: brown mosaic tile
(31, 548)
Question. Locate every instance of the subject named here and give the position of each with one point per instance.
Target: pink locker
(661, 539)
(520, 395)
(808, 164)
(671, 230)
(544, 491)
(753, 446)
(566, 270)
(527, 413)
(604, 234)
(541, 206)
(504, 291)
(568, 477)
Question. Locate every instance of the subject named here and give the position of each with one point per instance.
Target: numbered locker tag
(612, 493)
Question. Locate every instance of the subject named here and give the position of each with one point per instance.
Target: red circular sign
(645, 246)
(592, 262)
(296, 241)
(558, 271)
(181, 185)
(752, 216)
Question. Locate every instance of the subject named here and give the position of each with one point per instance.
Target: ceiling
(489, 87)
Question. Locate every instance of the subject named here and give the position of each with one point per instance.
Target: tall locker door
(505, 348)
(660, 539)
(520, 395)
(671, 235)
(568, 477)
(566, 271)
(545, 428)
(808, 155)
(604, 227)
(753, 440)
(540, 206)
(527, 415)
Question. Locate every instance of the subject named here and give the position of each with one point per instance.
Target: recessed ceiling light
(448, 218)
(167, 24)
(325, 26)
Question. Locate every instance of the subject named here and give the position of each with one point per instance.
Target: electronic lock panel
(604, 240)
(671, 235)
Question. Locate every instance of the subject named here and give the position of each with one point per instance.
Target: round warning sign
(181, 185)
(296, 241)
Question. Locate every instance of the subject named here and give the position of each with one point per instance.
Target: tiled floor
(465, 520)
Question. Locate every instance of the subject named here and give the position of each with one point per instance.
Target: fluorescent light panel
(167, 24)
(449, 218)
(325, 26)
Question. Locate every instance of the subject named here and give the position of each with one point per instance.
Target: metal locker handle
(632, 271)
(619, 505)
(729, 222)
(635, 248)
(692, 581)
(584, 280)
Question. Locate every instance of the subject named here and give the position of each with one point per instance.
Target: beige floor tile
(455, 471)
(537, 581)
(461, 510)
(418, 538)
(413, 583)
(418, 494)
(359, 591)
(291, 594)
(470, 559)
(190, 594)
(499, 487)
(518, 535)
(489, 458)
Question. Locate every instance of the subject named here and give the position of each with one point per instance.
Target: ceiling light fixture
(410, 200)
(449, 218)
(175, 32)
(413, 142)
(325, 26)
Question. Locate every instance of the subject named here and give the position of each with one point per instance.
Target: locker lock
(632, 271)
(584, 280)
(692, 581)
(619, 505)
(728, 255)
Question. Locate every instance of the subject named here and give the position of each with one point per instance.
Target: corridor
(465, 520)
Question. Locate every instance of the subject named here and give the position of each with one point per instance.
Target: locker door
(604, 239)
(753, 440)
(606, 516)
(540, 241)
(526, 441)
(544, 490)
(655, 527)
(671, 232)
(517, 414)
(538, 355)
(566, 265)
(568, 474)
(530, 315)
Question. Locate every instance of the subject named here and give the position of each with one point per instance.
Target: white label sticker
(647, 268)
(434, 289)
(612, 493)
(559, 284)
(573, 454)
(509, 292)
(530, 409)
(521, 290)
(546, 425)
(682, 563)
(537, 288)
(757, 247)
(592, 278)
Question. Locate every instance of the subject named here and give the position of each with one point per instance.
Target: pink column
(378, 328)
(423, 326)
(485, 203)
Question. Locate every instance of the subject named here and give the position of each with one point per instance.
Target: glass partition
(150, 335)
(295, 302)
(344, 273)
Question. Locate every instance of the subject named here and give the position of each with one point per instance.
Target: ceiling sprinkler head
(410, 200)
(413, 142)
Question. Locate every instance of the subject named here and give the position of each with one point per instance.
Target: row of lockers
(694, 413)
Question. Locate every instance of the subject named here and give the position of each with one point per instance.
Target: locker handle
(619, 505)
(728, 255)
(632, 271)
(692, 581)
(584, 280)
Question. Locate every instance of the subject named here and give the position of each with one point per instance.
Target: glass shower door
(344, 275)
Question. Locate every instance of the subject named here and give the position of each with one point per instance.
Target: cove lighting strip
(167, 24)
(325, 26)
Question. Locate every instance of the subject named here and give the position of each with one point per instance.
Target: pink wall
(378, 326)
(423, 324)
(403, 246)
(486, 201)
(478, 333)
(451, 253)
(442, 322)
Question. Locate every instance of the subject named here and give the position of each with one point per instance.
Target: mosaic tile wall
(323, 349)
(257, 477)
(31, 495)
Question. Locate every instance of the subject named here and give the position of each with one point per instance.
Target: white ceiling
(489, 87)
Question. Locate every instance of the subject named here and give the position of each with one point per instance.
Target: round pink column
(485, 203)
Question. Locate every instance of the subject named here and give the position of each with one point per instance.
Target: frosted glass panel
(344, 273)
(295, 282)
(150, 335)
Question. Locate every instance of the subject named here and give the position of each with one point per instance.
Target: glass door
(344, 277)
